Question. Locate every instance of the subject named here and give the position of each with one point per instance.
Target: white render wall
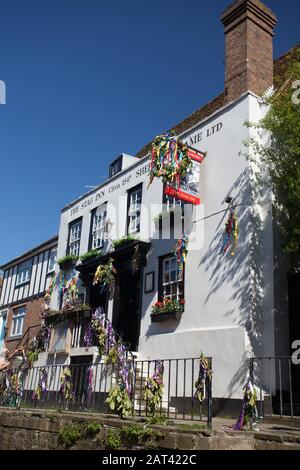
(229, 299)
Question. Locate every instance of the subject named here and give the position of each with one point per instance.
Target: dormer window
(115, 167)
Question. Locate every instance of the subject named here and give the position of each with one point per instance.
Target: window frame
(71, 225)
(93, 214)
(4, 316)
(130, 192)
(162, 284)
(13, 333)
(171, 207)
(49, 271)
(29, 264)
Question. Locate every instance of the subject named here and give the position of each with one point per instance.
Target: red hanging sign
(188, 187)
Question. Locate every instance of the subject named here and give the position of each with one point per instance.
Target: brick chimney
(249, 35)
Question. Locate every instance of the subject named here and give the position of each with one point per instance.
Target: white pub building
(227, 296)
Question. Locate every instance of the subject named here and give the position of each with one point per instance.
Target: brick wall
(32, 318)
(248, 48)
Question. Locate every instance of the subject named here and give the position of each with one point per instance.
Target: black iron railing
(89, 385)
(179, 400)
(278, 384)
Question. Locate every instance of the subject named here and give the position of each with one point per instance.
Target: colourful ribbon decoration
(181, 252)
(41, 390)
(49, 292)
(66, 384)
(88, 336)
(231, 233)
(248, 410)
(204, 372)
(62, 285)
(72, 289)
(169, 158)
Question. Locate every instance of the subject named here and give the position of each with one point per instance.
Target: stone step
(163, 408)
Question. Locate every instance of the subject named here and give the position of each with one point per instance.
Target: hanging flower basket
(105, 275)
(167, 310)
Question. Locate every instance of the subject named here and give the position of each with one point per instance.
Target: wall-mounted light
(108, 226)
(229, 200)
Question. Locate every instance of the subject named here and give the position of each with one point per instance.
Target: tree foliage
(281, 155)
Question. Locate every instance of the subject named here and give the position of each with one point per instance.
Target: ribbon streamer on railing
(41, 390)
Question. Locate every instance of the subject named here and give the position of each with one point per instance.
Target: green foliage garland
(119, 401)
(112, 357)
(101, 335)
(153, 390)
(66, 384)
(105, 275)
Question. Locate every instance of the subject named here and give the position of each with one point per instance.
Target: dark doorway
(98, 297)
(79, 368)
(126, 317)
(294, 314)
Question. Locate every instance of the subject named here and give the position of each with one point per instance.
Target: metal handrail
(26, 333)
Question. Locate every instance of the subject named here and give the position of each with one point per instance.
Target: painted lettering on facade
(101, 194)
(199, 136)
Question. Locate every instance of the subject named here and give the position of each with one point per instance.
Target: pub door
(79, 368)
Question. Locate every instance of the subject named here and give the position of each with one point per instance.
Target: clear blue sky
(89, 79)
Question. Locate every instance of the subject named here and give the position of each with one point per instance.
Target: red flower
(182, 301)
(158, 304)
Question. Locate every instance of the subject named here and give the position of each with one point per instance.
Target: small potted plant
(67, 262)
(167, 310)
(123, 242)
(90, 256)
